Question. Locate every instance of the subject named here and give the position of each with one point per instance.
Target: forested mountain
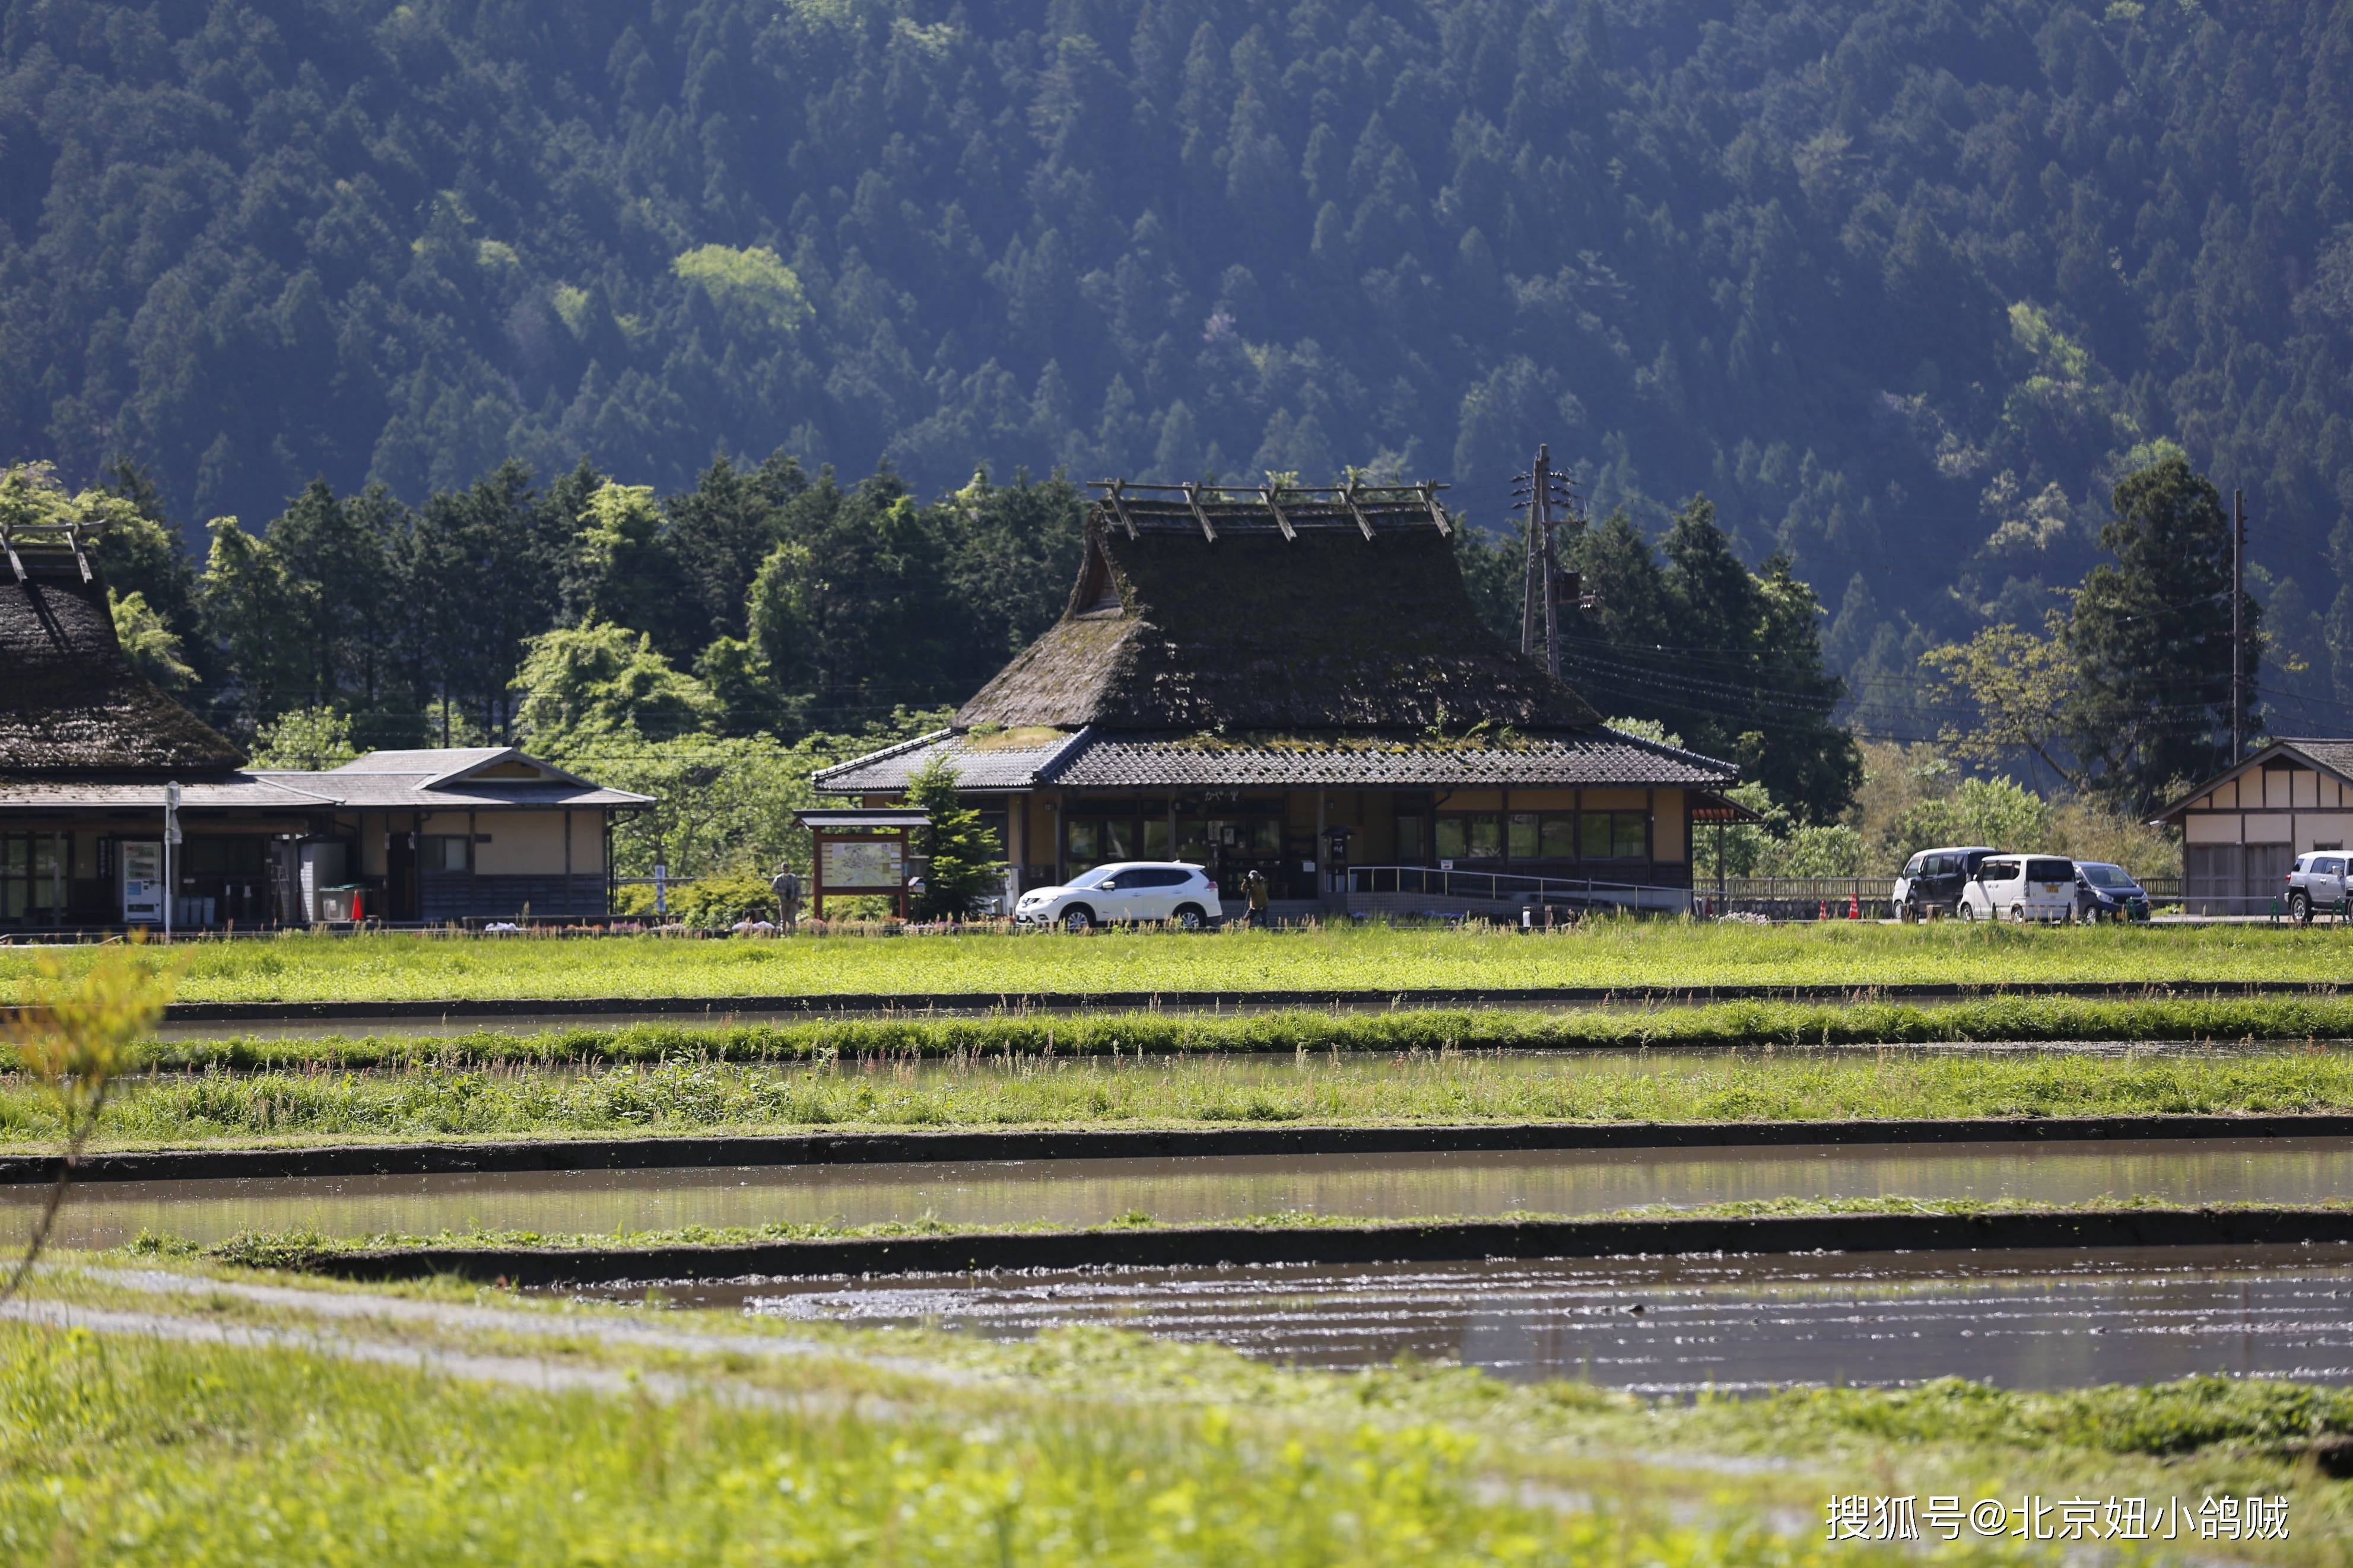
(1904, 285)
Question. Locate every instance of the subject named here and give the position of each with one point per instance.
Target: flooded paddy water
(2022, 1319)
(1194, 1189)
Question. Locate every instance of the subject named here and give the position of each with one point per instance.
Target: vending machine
(143, 882)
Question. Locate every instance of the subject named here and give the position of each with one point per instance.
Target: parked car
(2107, 892)
(2021, 888)
(1932, 880)
(2315, 884)
(1127, 890)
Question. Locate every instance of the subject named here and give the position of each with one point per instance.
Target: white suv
(1125, 891)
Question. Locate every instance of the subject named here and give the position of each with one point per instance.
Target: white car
(2021, 888)
(1125, 891)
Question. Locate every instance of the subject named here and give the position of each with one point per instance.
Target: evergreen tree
(2150, 634)
(963, 863)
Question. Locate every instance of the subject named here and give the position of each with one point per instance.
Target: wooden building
(88, 746)
(1297, 683)
(2242, 829)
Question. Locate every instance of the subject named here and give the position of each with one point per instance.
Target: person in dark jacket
(787, 885)
(1254, 897)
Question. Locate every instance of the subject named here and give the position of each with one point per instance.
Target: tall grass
(1627, 955)
(684, 1096)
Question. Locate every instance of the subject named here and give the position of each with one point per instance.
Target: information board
(864, 865)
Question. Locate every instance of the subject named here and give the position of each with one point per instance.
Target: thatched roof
(72, 704)
(1318, 613)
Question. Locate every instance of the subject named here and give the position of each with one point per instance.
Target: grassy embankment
(1756, 1025)
(1084, 1446)
(300, 1250)
(436, 1101)
(1625, 954)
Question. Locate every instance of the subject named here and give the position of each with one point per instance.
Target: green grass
(302, 1249)
(1081, 1446)
(1724, 1025)
(131, 1453)
(689, 1097)
(1632, 955)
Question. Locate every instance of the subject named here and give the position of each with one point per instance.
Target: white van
(2021, 888)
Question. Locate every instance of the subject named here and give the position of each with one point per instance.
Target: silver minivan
(2021, 888)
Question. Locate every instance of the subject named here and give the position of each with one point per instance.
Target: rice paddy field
(220, 1418)
(433, 1100)
(1634, 955)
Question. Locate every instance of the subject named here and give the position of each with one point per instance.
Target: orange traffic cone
(1855, 906)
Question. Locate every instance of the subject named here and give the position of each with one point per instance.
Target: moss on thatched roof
(1326, 629)
(71, 705)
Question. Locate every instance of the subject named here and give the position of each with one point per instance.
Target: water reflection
(1196, 1189)
(2030, 1320)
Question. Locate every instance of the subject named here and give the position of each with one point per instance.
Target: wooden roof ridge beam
(1119, 507)
(8, 543)
(1193, 499)
(1280, 522)
(1348, 494)
(1429, 490)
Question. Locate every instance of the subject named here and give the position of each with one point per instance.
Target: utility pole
(1533, 577)
(1542, 488)
(2238, 627)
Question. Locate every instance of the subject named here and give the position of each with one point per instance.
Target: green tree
(2150, 635)
(965, 863)
(307, 740)
(259, 618)
(149, 645)
(2019, 687)
(624, 570)
(1998, 812)
(600, 679)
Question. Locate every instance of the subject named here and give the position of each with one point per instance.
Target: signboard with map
(863, 865)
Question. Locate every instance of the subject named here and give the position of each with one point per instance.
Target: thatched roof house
(71, 704)
(88, 745)
(1236, 676)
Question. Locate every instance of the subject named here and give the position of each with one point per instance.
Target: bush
(722, 901)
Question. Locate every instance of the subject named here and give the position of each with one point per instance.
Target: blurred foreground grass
(1084, 1446)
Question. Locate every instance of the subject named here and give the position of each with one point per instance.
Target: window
(1451, 840)
(1998, 871)
(1155, 838)
(2050, 870)
(443, 852)
(1559, 837)
(1520, 840)
(1409, 840)
(1085, 837)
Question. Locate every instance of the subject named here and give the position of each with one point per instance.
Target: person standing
(787, 885)
(1254, 897)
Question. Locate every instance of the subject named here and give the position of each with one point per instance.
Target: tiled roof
(1090, 759)
(285, 792)
(1008, 759)
(2333, 754)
